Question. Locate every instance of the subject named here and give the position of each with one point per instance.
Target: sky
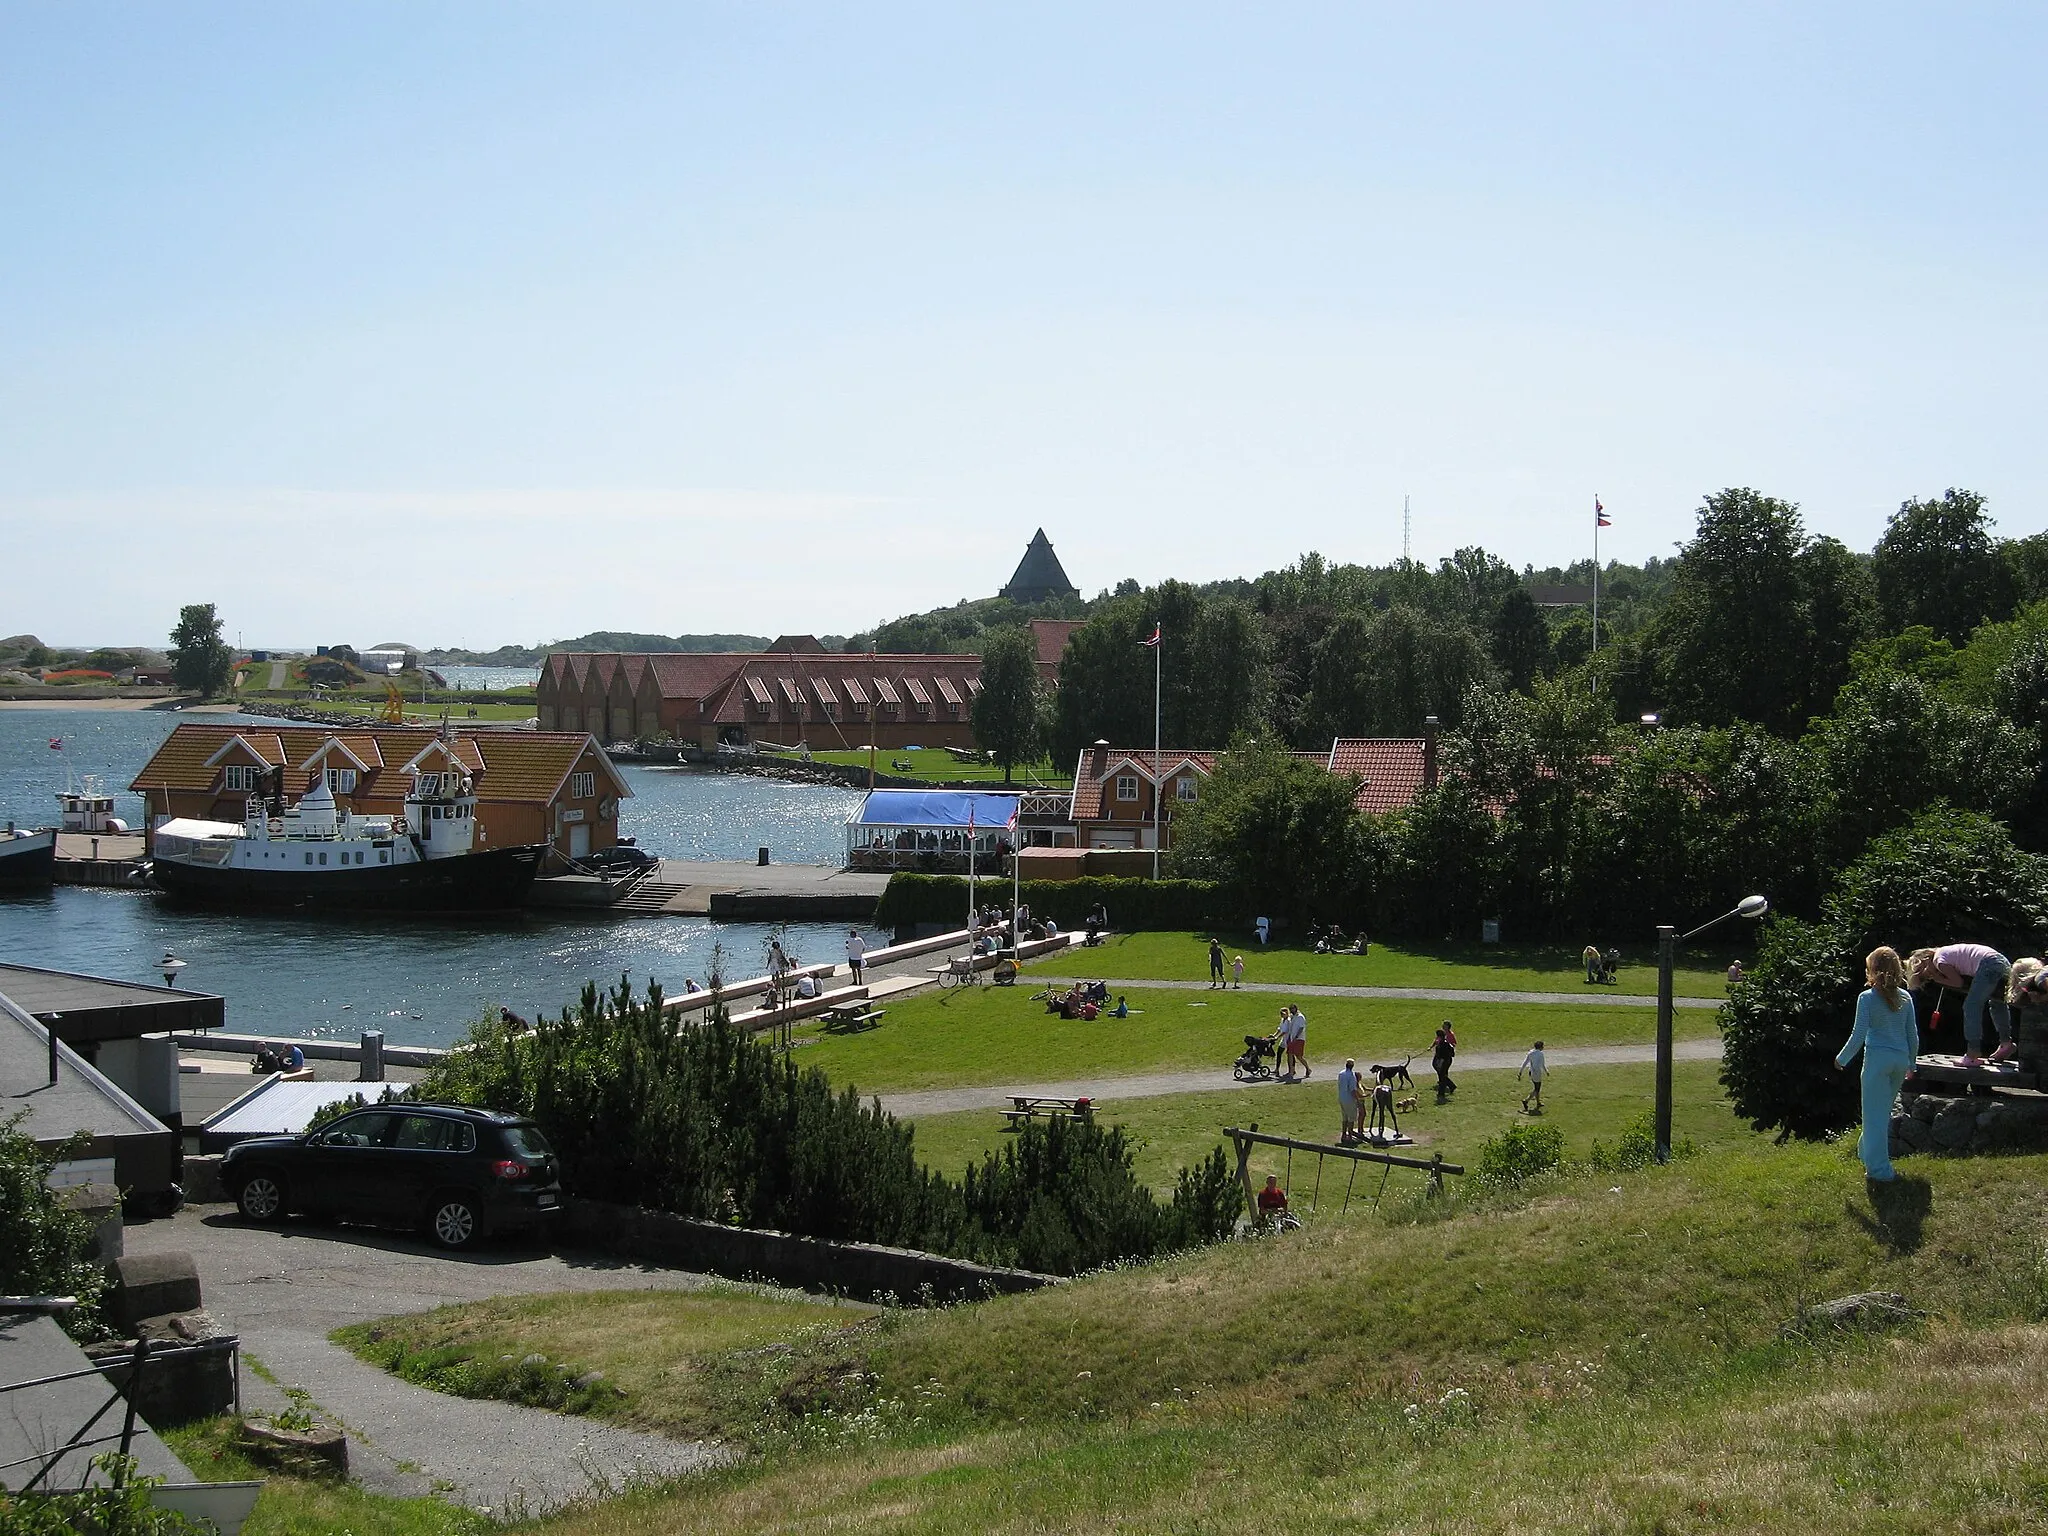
(476, 324)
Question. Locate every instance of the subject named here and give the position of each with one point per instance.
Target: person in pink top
(1980, 973)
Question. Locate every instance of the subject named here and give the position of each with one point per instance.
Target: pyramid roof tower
(1040, 577)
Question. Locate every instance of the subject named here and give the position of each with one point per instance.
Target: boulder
(1955, 1125)
(151, 1285)
(1910, 1135)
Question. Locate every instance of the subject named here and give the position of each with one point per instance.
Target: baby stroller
(1261, 1060)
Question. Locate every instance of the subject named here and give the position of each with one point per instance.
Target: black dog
(1394, 1074)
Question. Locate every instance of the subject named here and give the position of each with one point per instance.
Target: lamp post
(170, 965)
(1668, 940)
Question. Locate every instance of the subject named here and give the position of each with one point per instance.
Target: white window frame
(341, 781)
(1185, 789)
(582, 786)
(1127, 787)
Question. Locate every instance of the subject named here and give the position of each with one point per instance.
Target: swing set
(1251, 1136)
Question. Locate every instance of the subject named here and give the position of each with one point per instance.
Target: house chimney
(1429, 751)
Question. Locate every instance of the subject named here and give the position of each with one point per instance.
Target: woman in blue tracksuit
(1887, 1032)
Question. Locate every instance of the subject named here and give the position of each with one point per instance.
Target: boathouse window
(342, 780)
(582, 785)
(239, 776)
(1127, 786)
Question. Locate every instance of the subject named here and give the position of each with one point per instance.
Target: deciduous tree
(1938, 565)
(200, 659)
(1006, 709)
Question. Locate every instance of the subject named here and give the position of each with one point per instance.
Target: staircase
(648, 898)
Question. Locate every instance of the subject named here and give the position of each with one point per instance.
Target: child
(1237, 972)
(1533, 1065)
(1272, 1202)
(1982, 975)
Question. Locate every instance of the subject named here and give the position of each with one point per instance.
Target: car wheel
(261, 1197)
(453, 1221)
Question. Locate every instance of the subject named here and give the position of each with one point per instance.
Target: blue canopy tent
(931, 829)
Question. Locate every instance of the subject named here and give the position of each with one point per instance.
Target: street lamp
(1668, 940)
(170, 965)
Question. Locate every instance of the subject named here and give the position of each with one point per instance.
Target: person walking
(1533, 1065)
(856, 955)
(1442, 1052)
(1297, 1043)
(1981, 974)
(1347, 1100)
(1215, 962)
(1237, 972)
(1887, 1032)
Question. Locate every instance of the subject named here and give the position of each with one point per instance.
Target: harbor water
(420, 981)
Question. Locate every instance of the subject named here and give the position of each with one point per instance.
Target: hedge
(1131, 904)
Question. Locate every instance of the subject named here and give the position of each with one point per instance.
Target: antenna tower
(1404, 533)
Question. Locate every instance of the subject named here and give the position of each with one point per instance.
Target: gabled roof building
(1039, 577)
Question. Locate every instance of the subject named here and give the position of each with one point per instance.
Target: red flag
(56, 743)
(1600, 518)
(1153, 641)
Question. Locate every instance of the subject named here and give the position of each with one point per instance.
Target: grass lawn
(1465, 967)
(1600, 1353)
(301, 1506)
(999, 1035)
(1173, 1131)
(652, 1346)
(942, 767)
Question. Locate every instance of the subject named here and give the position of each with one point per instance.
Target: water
(421, 982)
(492, 678)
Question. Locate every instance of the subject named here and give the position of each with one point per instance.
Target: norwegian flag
(1600, 517)
(56, 743)
(1153, 639)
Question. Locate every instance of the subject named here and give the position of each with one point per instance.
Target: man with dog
(1442, 1052)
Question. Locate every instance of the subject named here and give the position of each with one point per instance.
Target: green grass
(941, 767)
(1175, 1131)
(998, 1034)
(299, 1506)
(653, 1348)
(1463, 967)
(1599, 1353)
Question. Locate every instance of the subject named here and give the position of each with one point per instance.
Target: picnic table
(850, 1018)
(1026, 1106)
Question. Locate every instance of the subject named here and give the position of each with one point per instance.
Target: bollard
(763, 859)
(372, 1066)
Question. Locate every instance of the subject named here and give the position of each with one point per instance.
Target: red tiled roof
(1049, 636)
(1098, 765)
(1390, 766)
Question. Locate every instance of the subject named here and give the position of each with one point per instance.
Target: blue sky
(504, 322)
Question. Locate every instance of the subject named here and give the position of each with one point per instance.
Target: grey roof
(99, 1008)
(1039, 574)
(80, 1100)
(275, 1107)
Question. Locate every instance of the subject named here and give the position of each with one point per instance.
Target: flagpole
(1596, 591)
(1158, 660)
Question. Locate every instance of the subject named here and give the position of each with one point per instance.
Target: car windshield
(527, 1141)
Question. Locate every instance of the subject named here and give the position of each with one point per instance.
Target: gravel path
(944, 1101)
(1598, 999)
(283, 1289)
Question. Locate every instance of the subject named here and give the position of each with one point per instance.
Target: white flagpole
(1158, 655)
(1596, 590)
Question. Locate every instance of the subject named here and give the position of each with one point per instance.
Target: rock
(588, 1379)
(1865, 1309)
(200, 1178)
(318, 1448)
(151, 1285)
(1954, 1126)
(1910, 1133)
(534, 1360)
(1925, 1107)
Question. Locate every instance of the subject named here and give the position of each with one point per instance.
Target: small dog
(1395, 1074)
(1404, 1105)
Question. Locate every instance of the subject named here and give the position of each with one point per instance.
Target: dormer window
(1127, 786)
(239, 776)
(1185, 787)
(341, 781)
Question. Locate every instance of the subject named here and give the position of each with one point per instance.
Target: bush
(706, 1122)
(46, 1242)
(1946, 876)
(1132, 904)
(121, 1506)
(1520, 1152)
(1637, 1147)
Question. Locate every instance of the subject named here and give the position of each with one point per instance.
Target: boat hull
(493, 881)
(28, 858)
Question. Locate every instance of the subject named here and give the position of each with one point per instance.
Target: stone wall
(864, 1270)
(1990, 1122)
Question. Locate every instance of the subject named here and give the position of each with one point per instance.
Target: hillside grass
(1596, 1352)
(989, 1034)
(1463, 967)
(1174, 1131)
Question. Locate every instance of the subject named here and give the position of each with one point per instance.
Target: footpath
(1593, 999)
(1154, 1085)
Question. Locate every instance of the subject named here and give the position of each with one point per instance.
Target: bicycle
(959, 972)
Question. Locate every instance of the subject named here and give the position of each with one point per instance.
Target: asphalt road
(284, 1289)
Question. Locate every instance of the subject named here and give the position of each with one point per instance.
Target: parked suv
(458, 1172)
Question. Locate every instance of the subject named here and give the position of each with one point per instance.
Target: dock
(758, 893)
(104, 858)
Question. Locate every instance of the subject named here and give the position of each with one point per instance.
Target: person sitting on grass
(1122, 1010)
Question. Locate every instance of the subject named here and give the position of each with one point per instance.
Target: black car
(458, 1172)
(622, 857)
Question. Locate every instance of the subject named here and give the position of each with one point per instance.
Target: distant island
(597, 640)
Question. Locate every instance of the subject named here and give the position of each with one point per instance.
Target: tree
(1937, 565)
(1006, 710)
(1761, 623)
(1382, 674)
(1520, 639)
(1280, 830)
(200, 659)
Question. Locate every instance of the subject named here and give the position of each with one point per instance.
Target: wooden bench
(851, 1018)
(1032, 1107)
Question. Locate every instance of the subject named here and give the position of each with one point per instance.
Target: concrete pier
(108, 858)
(756, 892)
